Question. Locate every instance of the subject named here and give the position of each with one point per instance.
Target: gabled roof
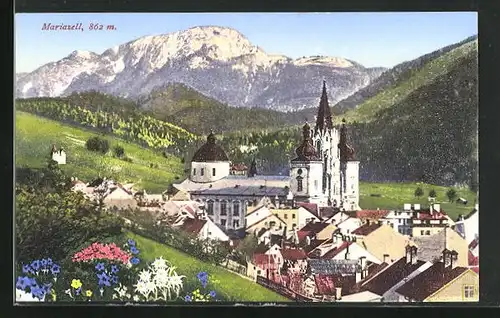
(371, 214)
(310, 207)
(293, 254)
(366, 229)
(473, 260)
(192, 226)
(392, 275)
(264, 219)
(314, 227)
(259, 259)
(314, 243)
(430, 281)
(326, 212)
(336, 251)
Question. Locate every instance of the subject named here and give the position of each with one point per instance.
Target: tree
(451, 194)
(432, 193)
(118, 151)
(247, 247)
(97, 144)
(419, 192)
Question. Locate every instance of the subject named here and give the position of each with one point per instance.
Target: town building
(401, 221)
(58, 156)
(468, 226)
(324, 172)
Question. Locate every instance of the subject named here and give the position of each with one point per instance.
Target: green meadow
(35, 135)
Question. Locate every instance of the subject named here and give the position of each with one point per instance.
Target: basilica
(324, 172)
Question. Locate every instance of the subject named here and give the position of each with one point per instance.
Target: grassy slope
(229, 286)
(394, 195)
(424, 76)
(35, 135)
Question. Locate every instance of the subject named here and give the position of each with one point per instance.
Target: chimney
(437, 207)
(308, 240)
(446, 258)
(453, 259)
(386, 258)
(358, 276)
(413, 257)
(408, 254)
(338, 293)
(362, 262)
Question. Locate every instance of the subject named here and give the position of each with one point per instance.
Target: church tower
(306, 172)
(349, 172)
(326, 140)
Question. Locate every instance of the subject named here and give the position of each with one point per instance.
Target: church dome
(306, 151)
(210, 151)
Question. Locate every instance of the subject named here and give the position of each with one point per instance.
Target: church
(324, 172)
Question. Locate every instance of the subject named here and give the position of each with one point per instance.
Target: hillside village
(312, 240)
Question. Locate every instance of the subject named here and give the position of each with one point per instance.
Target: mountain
(189, 109)
(219, 62)
(395, 76)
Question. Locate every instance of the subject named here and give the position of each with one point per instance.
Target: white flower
(159, 263)
(145, 275)
(21, 295)
(136, 298)
(121, 292)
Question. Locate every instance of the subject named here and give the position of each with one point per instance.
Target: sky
(371, 39)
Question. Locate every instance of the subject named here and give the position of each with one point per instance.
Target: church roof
(324, 118)
(306, 151)
(346, 151)
(210, 151)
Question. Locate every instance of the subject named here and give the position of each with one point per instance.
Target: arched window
(236, 208)
(210, 207)
(194, 171)
(318, 147)
(299, 184)
(202, 173)
(223, 207)
(213, 172)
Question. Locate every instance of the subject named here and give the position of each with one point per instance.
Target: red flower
(100, 251)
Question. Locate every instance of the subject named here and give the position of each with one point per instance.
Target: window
(213, 172)
(468, 291)
(202, 173)
(285, 216)
(223, 208)
(427, 232)
(236, 208)
(272, 224)
(194, 171)
(299, 184)
(236, 224)
(258, 272)
(421, 232)
(293, 215)
(316, 185)
(210, 207)
(223, 222)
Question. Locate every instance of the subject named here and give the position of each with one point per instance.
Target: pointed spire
(346, 151)
(324, 118)
(252, 172)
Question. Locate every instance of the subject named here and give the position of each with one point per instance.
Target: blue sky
(372, 39)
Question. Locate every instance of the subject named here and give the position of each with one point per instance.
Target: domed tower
(306, 171)
(210, 163)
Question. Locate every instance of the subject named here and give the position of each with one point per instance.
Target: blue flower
(24, 281)
(187, 298)
(37, 292)
(47, 287)
(56, 269)
(35, 265)
(100, 267)
(114, 269)
(114, 279)
(44, 263)
(78, 291)
(135, 261)
(131, 242)
(27, 269)
(212, 294)
(134, 250)
(103, 279)
(49, 261)
(203, 278)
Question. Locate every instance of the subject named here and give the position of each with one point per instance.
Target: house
(271, 249)
(350, 251)
(294, 259)
(473, 262)
(316, 230)
(401, 221)
(78, 185)
(289, 215)
(58, 156)
(307, 212)
(203, 229)
(430, 222)
(372, 216)
(337, 218)
(430, 247)
(117, 196)
(387, 281)
(468, 226)
(364, 296)
(349, 225)
(265, 265)
(255, 215)
(444, 281)
(382, 241)
(271, 222)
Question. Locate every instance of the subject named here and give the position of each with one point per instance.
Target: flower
(49, 261)
(145, 275)
(103, 280)
(135, 298)
(159, 263)
(114, 279)
(134, 250)
(55, 269)
(212, 294)
(76, 283)
(24, 281)
(88, 293)
(35, 265)
(100, 267)
(101, 251)
(131, 242)
(21, 295)
(44, 262)
(134, 261)
(27, 269)
(187, 298)
(78, 291)
(114, 269)
(203, 278)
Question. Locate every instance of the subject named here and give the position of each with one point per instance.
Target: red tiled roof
(293, 254)
(325, 284)
(189, 209)
(392, 275)
(193, 226)
(473, 260)
(314, 243)
(336, 251)
(326, 212)
(371, 214)
(475, 269)
(239, 167)
(264, 261)
(314, 227)
(430, 281)
(427, 215)
(302, 235)
(311, 207)
(366, 229)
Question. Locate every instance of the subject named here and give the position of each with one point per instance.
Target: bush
(118, 151)
(97, 144)
(127, 159)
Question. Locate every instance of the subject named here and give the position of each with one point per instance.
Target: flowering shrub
(196, 295)
(98, 251)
